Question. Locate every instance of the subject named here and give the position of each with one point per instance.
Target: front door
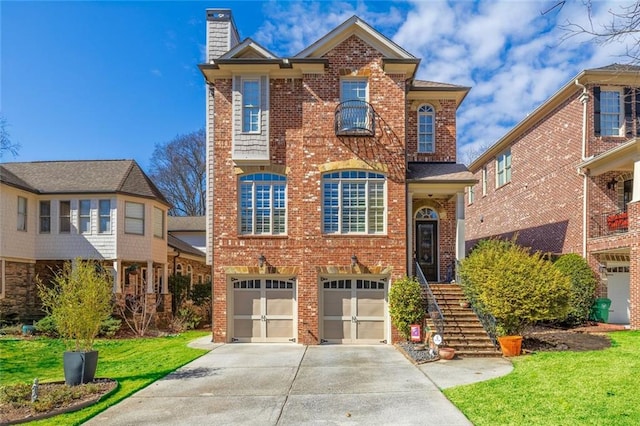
(427, 248)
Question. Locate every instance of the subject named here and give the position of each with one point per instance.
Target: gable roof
(248, 49)
(364, 31)
(81, 177)
(618, 74)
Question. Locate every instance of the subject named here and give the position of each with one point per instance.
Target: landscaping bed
(539, 338)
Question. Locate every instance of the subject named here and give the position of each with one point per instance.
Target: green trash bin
(600, 309)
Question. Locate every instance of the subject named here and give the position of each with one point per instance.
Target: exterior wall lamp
(612, 183)
(354, 261)
(261, 260)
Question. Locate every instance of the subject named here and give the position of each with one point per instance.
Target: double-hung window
(65, 217)
(472, 194)
(251, 105)
(484, 181)
(426, 119)
(45, 217)
(263, 202)
(353, 203)
(611, 112)
(104, 213)
(133, 218)
(503, 168)
(85, 216)
(22, 214)
(158, 223)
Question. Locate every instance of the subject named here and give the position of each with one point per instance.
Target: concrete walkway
(270, 384)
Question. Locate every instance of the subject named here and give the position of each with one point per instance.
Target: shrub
(583, 287)
(110, 327)
(179, 289)
(516, 287)
(47, 326)
(189, 315)
(406, 305)
(79, 300)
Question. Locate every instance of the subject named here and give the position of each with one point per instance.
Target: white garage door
(619, 292)
(353, 310)
(263, 310)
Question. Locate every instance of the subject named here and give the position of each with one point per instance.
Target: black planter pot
(80, 367)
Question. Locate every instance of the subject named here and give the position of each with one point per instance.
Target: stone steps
(463, 331)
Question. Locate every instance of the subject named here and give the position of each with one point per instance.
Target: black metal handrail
(433, 310)
(610, 223)
(355, 118)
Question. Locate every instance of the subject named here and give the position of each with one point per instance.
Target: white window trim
(484, 181)
(19, 214)
(108, 215)
(362, 79)
(272, 199)
(159, 211)
(340, 181)
(81, 216)
(471, 194)
(433, 134)
(504, 154)
(66, 217)
(142, 219)
(40, 217)
(621, 118)
(257, 80)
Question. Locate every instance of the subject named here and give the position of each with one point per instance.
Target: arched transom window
(426, 213)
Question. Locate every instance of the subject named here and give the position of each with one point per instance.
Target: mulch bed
(13, 415)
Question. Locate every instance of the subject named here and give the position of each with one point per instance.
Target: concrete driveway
(270, 384)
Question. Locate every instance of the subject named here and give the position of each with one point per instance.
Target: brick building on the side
(329, 172)
(566, 179)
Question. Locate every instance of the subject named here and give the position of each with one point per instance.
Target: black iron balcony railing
(355, 118)
(616, 222)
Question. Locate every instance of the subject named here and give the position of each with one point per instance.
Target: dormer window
(426, 120)
(251, 105)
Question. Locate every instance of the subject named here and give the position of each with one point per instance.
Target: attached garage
(264, 310)
(353, 310)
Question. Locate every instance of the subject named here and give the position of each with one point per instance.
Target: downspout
(584, 98)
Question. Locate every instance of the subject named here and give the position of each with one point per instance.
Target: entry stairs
(463, 331)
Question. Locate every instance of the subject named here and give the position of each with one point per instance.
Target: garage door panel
(337, 303)
(371, 330)
(279, 302)
(246, 328)
(279, 328)
(370, 303)
(337, 329)
(246, 302)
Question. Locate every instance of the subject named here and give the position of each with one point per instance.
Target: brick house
(567, 180)
(328, 173)
(55, 211)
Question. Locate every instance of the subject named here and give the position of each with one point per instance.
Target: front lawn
(134, 363)
(561, 388)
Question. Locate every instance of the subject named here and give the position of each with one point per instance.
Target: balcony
(610, 223)
(355, 118)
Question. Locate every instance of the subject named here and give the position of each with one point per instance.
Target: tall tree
(178, 168)
(6, 145)
(622, 26)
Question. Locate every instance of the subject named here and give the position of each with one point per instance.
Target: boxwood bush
(406, 305)
(516, 287)
(583, 287)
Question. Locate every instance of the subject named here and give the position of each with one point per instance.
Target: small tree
(79, 300)
(516, 287)
(583, 287)
(406, 305)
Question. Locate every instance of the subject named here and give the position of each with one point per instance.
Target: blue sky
(101, 80)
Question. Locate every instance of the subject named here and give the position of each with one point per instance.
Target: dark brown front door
(427, 248)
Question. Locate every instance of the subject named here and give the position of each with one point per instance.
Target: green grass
(561, 388)
(134, 363)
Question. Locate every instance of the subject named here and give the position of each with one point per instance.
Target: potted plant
(78, 299)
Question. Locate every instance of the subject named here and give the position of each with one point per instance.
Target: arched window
(426, 132)
(426, 213)
(263, 204)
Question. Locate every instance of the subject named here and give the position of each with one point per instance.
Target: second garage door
(353, 310)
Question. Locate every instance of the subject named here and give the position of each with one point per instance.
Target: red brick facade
(303, 146)
(544, 203)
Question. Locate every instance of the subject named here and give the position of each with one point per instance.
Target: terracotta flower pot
(510, 345)
(446, 353)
